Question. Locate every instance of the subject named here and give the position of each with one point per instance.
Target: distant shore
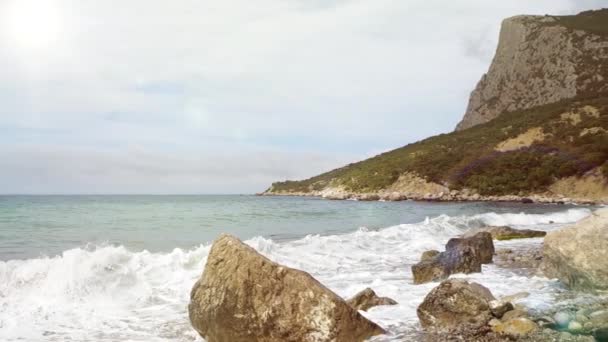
(453, 196)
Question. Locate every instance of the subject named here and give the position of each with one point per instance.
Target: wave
(109, 293)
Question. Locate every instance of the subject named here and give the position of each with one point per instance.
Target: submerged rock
(456, 305)
(243, 296)
(367, 299)
(578, 255)
(462, 255)
(507, 233)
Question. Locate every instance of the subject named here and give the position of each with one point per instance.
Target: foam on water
(109, 293)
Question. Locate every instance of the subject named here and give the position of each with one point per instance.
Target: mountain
(536, 126)
(542, 60)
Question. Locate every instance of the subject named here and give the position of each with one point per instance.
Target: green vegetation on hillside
(468, 158)
(591, 21)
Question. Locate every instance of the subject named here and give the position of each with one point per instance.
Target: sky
(228, 96)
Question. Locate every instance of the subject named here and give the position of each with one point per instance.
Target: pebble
(562, 318)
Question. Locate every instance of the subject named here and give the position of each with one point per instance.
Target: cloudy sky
(227, 96)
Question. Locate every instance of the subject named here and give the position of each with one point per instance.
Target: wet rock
(516, 327)
(462, 255)
(243, 296)
(578, 255)
(429, 255)
(499, 307)
(462, 260)
(367, 299)
(481, 243)
(527, 200)
(507, 233)
(456, 305)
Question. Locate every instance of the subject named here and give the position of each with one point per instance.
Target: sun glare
(32, 24)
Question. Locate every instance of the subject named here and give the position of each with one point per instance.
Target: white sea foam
(110, 293)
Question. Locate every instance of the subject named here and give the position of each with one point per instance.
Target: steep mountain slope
(544, 134)
(541, 60)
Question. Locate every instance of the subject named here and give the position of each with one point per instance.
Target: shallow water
(121, 267)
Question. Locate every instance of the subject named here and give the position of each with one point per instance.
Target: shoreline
(441, 197)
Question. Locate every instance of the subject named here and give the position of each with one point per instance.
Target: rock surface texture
(462, 255)
(367, 299)
(578, 255)
(243, 296)
(539, 60)
(454, 305)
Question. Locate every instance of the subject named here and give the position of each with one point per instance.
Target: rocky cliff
(542, 60)
(537, 126)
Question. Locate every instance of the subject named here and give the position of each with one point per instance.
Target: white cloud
(333, 78)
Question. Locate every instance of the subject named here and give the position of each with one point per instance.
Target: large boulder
(456, 305)
(462, 255)
(507, 233)
(367, 299)
(243, 296)
(578, 255)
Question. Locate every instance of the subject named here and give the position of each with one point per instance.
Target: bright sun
(32, 24)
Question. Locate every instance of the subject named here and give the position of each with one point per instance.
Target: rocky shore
(441, 196)
(243, 296)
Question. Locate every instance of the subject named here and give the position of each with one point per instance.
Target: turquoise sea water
(120, 268)
(32, 226)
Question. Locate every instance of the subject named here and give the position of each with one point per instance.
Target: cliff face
(542, 60)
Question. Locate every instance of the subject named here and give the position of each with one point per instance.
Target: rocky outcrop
(462, 255)
(367, 299)
(578, 255)
(243, 296)
(456, 305)
(540, 60)
(507, 233)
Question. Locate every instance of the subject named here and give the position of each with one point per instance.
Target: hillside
(540, 144)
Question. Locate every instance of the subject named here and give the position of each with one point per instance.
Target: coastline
(452, 196)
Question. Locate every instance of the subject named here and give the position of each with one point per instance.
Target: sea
(120, 268)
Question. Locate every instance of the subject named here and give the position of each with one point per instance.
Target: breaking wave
(108, 293)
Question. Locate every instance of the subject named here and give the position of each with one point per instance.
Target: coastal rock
(481, 244)
(463, 260)
(578, 255)
(507, 233)
(462, 255)
(367, 299)
(243, 296)
(456, 305)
